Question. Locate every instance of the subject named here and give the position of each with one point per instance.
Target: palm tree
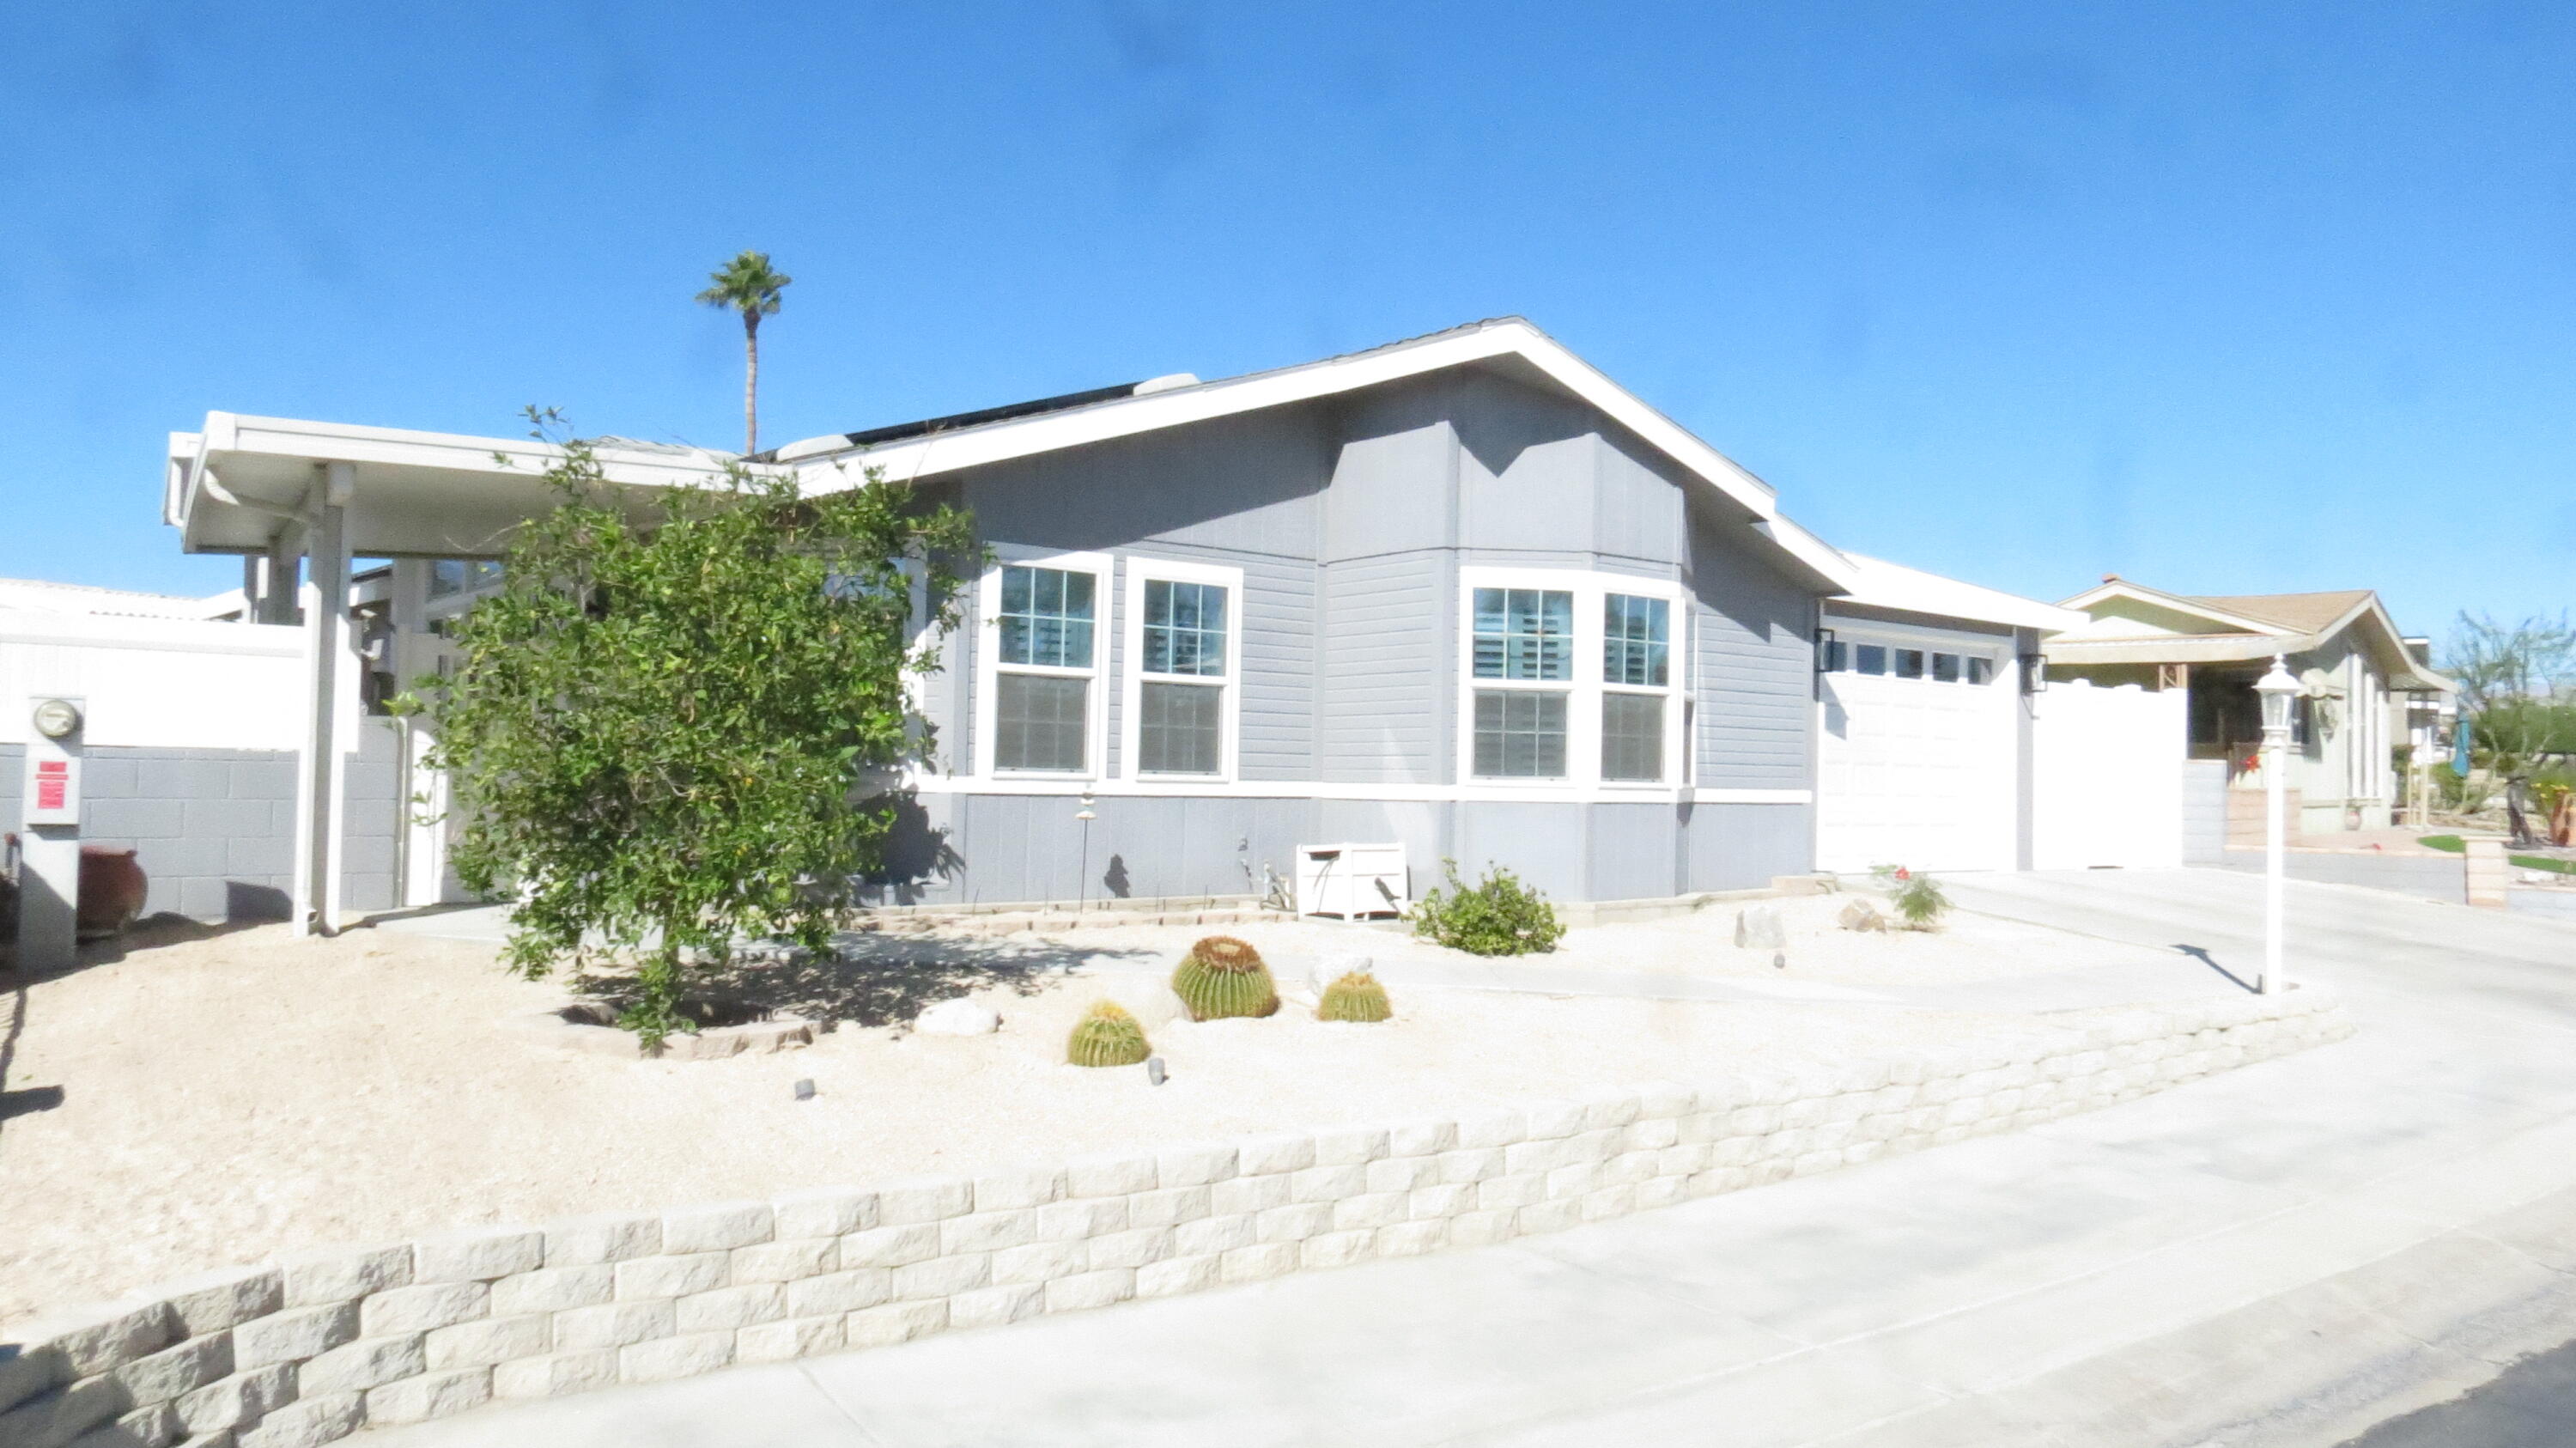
(750, 285)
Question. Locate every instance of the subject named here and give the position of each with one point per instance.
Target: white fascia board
(2176, 648)
(2122, 588)
(445, 451)
(922, 457)
(1827, 560)
(1881, 584)
(2393, 648)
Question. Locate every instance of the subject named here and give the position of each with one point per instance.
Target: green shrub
(1917, 897)
(1107, 1036)
(1497, 916)
(1222, 977)
(1357, 996)
(2462, 796)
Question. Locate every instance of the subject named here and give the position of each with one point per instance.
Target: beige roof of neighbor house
(2243, 628)
(2306, 612)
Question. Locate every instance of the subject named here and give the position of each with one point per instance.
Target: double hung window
(1523, 643)
(1636, 679)
(1183, 636)
(1548, 698)
(1045, 666)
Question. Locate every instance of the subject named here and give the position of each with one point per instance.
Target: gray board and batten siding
(1351, 518)
(214, 829)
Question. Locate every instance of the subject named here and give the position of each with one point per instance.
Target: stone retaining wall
(307, 1350)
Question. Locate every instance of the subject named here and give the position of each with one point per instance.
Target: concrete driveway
(2283, 1255)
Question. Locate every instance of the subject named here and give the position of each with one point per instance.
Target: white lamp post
(2276, 689)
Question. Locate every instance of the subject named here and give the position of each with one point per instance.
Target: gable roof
(2246, 627)
(2303, 612)
(920, 451)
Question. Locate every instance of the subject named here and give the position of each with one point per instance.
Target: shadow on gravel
(871, 981)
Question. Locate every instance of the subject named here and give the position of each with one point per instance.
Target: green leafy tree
(750, 285)
(674, 726)
(2517, 687)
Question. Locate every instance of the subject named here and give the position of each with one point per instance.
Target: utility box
(1352, 882)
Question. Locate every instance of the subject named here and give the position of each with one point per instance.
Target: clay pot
(112, 887)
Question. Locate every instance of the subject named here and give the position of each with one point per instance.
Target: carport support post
(317, 784)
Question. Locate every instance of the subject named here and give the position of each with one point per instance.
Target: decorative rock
(1759, 927)
(958, 1017)
(1859, 914)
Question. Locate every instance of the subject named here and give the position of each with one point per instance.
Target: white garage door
(1917, 753)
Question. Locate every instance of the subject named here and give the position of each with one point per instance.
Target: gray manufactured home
(1460, 592)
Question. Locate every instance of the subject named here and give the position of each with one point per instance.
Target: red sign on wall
(53, 783)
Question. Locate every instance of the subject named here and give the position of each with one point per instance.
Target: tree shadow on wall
(869, 979)
(915, 857)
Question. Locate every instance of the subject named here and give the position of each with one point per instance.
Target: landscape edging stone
(701, 1287)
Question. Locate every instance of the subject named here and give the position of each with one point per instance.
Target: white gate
(2107, 780)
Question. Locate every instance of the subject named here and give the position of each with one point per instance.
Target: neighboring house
(2357, 676)
(1462, 592)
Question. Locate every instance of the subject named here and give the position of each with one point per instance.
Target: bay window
(1548, 699)
(1523, 637)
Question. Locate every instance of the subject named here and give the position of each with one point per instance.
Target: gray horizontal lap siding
(1382, 688)
(1752, 632)
(1350, 521)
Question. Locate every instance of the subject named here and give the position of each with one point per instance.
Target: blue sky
(2227, 299)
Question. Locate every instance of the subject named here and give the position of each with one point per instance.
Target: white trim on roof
(2123, 588)
(1881, 584)
(992, 442)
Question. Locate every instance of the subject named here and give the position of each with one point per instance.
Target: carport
(298, 501)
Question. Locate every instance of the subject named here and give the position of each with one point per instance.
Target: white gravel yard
(223, 1097)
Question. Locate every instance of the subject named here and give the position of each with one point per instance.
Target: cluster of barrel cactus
(1223, 977)
(1220, 977)
(1107, 1036)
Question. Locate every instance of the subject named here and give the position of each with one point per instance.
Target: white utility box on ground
(1351, 881)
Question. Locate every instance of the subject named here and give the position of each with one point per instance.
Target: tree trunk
(750, 383)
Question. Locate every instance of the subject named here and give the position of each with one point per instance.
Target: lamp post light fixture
(1086, 814)
(2276, 689)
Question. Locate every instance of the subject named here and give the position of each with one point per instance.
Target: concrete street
(2285, 1255)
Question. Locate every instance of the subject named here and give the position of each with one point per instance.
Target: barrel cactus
(1107, 1036)
(1356, 996)
(1223, 976)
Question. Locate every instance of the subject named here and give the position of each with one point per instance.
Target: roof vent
(1165, 383)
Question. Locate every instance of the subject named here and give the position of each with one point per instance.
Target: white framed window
(1045, 631)
(1182, 699)
(1571, 677)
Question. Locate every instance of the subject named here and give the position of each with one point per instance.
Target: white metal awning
(232, 485)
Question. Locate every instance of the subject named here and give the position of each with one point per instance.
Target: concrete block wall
(214, 829)
(310, 1349)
